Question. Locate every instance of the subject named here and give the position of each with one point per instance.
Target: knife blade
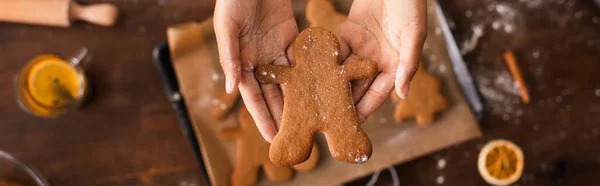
(458, 65)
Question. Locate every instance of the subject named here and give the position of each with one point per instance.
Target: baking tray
(165, 66)
(162, 60)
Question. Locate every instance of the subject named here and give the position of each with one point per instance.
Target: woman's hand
(251, 33)
(392, 33)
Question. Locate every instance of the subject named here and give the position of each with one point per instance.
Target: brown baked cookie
(423, 101)
(225, 104)
(253, 152)
(318, 99)
(321, 13)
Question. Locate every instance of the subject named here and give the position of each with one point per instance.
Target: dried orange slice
(500, 162)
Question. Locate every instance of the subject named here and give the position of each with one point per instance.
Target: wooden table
(128, 135)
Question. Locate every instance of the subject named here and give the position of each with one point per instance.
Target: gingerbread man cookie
(225, 104)
(252, 152)
(318, 99)
(423, 101)
(321, 13)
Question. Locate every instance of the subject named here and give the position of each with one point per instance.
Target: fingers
(374, 97)
(410, 53)
(274, 99)
(359, 88)
(227, 34)
(273, 93)
(406, 31)
(256, 105)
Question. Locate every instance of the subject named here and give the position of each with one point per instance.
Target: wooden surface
(127, 134)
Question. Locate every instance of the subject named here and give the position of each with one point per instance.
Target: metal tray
(162, 60)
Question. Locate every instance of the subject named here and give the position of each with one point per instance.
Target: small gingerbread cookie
(225, 104)
(423, 101)
(253, 152)
(321, 13)
(318, 99)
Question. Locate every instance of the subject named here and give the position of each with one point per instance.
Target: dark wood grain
(127, 134)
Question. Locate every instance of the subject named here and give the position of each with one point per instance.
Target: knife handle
(100, 14)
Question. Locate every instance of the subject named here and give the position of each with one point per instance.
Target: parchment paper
(195, 58)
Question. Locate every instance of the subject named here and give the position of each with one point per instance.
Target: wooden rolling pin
(56, 12)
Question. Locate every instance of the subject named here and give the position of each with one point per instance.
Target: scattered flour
(535, 54)
(470, 44)
(361, 159)
(442, 68)
(440, 180)
(506, 11)
(382, 120)
(508, 28)
(432, 57)
(188, 183)
(176, 96)
(441, 164)
(507, 16)
(496, 25)
(398, 138)
(335, 154)
(215, 76)
(438, 31)
(451, 24)
(501, 94)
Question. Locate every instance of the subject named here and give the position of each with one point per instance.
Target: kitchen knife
(458, 65)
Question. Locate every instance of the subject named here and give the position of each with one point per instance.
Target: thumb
(227, 34)
(406, 31)
(410, 53)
